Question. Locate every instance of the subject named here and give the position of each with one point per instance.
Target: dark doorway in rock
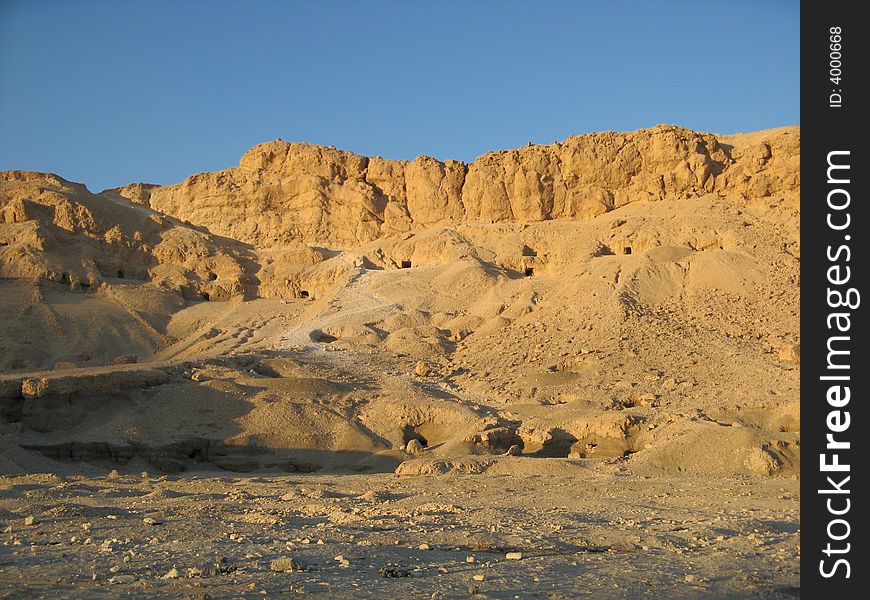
(406, 264)
(205, 296)
(304, 294)
(212, 276)
(120, 274)
(529, 271)
(409, 433)
(626, 250)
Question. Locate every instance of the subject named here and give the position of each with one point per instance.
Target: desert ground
(561, 371)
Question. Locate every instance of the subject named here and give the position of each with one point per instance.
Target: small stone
(513, 555)
(123, 579)
(514, 450)
(391, 572)
(691, 578)
(423, 546)
(790, 353)
(172, 574)
(287, 564)
(414, 447)
(478, 577)
(151, 521)
(422, 369)
(469, 559)
(342, 561)
(193, 572)
(31, 521)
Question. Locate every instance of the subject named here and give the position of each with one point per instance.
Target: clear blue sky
(107, 92)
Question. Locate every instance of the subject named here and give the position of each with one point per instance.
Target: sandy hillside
(585, 352)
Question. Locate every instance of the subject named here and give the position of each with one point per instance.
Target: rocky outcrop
(53, 229)
(285, 191)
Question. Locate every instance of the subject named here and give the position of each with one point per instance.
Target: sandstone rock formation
(58, 231)
(574, 358)
(285, 191)
(623, 297)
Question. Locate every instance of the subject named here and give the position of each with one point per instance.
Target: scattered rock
(513, 555)
(514, 450)
(391, 572)
(762, 461)
(172, 574)
(790, 353)
(288, 564)
(414, 447)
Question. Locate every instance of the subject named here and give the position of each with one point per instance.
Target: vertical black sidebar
(835, 368)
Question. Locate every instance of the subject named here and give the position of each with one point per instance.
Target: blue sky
(107, 92)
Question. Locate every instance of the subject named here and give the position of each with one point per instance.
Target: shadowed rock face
(285, 191)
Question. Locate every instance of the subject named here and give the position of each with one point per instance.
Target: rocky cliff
(283, 191)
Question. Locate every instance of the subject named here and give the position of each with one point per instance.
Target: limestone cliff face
(283, 192)
(56, 230)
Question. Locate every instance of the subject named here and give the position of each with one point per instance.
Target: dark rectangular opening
(626, 250)
(205, 296)
(120, 274)
(406, 264)
(304, 294)
(529, 271)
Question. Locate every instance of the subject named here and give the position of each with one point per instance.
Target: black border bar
(835, 232)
